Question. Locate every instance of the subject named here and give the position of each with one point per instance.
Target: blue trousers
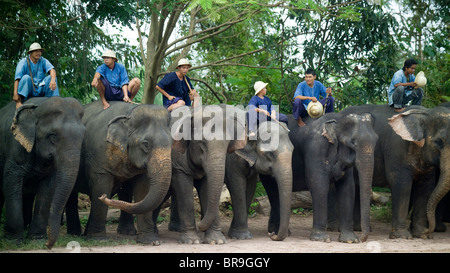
(253, 119)
(42, 90)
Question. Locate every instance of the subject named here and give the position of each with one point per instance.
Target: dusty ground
(298, 242)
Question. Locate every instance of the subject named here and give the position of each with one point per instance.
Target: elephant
(241, 176)
(201, 141)
(127, 148)
(39, 157)
(412, 150)
(331, 151)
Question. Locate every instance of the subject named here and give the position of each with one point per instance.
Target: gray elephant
(39, 157)
(124, 145)
(202, 137)
(331, 150)
(241, 176)
(413, 148)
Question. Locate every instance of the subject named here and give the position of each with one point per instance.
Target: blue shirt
(117, 76)
(399, 77)
(175, 87)
(316, 91)
(39, 69)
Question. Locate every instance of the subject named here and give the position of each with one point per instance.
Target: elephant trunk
(283, 176)
(442, 187)
(215, 175)
(66, 174)
(159, 173)
(365, 161)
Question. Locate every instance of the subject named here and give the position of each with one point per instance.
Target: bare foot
(398, 110)
(105, 105)
(18, 104)
(300, 123)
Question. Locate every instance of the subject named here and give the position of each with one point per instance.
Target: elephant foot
(97, 235)
(37, 236)
(400, 234)
(148, 239)
(240, 234)
(214, 237)
(348, 237)
(440, 227)
(321, 236)
(189, 237)
(74, 231)
(420, 233)
(126, 229)
(174, 226)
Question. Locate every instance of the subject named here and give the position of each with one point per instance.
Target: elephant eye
(439, 143)
(145, 146)
(52, 138)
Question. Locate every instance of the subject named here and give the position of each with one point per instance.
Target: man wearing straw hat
(176, 87)
(31, 79)
(111, 81)
(308, 91)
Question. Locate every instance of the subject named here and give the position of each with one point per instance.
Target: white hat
(35, 46)
(258, 86)
(184, 61)
(315, 109)
(109, 53)
(420, 80)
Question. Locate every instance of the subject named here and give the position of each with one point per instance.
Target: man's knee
(399, 89)
(297, 102)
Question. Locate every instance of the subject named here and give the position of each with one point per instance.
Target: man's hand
(94, 82)
(329, 91)
(170, 98)
(53, 84)
(313, 99)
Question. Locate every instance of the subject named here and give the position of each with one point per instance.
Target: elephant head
(207, 134)
(429, 130)
(354, 139)
(142, 140)
(51, 128)
(271, 154)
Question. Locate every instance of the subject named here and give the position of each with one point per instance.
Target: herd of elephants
(54, 148)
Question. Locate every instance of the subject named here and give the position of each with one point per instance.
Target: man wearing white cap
(111, 81)
(176, 87)
(31, 79)
(261, 104)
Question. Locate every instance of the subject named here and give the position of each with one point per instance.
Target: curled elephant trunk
(442, 188)
(215, 175)
(283, 176)
(66, 175)
(159, 173)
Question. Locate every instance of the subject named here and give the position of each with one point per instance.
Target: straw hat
(34, 46)
(258, 86)
(109, 53)
(315, 109)
(184, 61)
(420, 80)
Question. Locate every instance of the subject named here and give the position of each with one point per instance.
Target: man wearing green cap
(31, 79)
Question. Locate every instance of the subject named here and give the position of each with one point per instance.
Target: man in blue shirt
(174, 87)
(31, 79)
(403, 88)
(307, 91)
(111, 81)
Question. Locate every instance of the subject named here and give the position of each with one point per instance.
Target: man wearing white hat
(31, 79)
(260, 106)
(111, 81)
(176, 87)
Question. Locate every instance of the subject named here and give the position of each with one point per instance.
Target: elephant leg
(238, 187)
(271, 188)
(12, 190)
(72, 216)
(96, 226)
(333, 206)
(147, 231)
(345, 189)
(38, 227)
(213, 235)
(126, 222)
(401, 185)
(182, 185)
(421, 192)
(319, 186)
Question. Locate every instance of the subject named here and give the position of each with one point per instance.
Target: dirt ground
(297, 242)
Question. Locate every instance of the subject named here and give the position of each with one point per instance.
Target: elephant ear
(118, 132)
(24, 126)
(329, 131)
(181, 128)
(237, 125)
(409, 125)
(248, 153)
